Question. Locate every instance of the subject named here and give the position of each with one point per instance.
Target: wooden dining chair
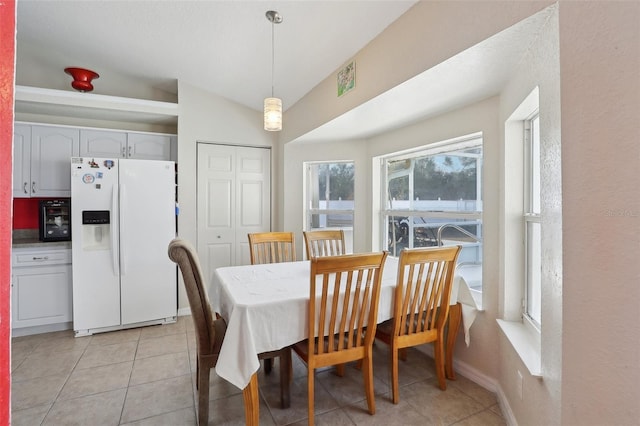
(210, 329)
(343, 308)
(326, 242)
(272, 247)
(421, 306)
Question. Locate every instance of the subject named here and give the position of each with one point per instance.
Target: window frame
(532, 219)
(309, 210)
(386, 211)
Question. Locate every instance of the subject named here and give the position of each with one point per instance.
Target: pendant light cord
(273, 55)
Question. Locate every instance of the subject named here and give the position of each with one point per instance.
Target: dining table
(265, 308)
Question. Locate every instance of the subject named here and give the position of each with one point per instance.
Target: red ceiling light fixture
(81, 78)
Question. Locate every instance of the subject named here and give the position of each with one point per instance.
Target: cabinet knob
(41, 258)
(26, 191)
(33, 187)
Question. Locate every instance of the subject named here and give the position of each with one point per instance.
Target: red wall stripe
(7, 68)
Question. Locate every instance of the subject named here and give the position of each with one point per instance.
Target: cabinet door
(149, 146)
(102, 143)
(51, 151)
(41, 295)
(22, 161)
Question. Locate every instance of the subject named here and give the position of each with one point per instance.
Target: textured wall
(540, 402)
(600, 92)
(7, 65)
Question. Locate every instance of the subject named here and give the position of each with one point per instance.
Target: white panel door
(253, 202)
(233, 191)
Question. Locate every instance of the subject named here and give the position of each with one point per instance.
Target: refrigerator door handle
(123, 230)
(114, 246)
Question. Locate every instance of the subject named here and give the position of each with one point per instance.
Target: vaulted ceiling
(224, 47)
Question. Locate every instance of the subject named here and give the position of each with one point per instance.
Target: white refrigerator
(123, 216)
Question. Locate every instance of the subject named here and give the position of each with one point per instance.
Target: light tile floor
(145, 376)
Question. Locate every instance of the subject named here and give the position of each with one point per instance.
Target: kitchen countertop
(28, 238)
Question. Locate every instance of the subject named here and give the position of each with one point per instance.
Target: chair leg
(285, 378)
(438, 351)
(197, 372)
(202, 384)
(340, 370)
(310, 391)
(251, 398)
(268, 365)
(402, 354)
(367, 373)
(394, 374)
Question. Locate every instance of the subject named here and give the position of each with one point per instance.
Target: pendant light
(273, 105)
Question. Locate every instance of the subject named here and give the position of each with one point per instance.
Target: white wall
(587, 63)
(541, 398)
(34, 68)
(204, 117)
(426, 35)
(600, 95)
(592, 296)
(479, 117)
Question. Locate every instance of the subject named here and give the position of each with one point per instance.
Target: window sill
(525, 344)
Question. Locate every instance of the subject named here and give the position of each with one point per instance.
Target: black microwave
(55, 220)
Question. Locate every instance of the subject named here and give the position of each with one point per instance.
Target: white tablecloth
(265, 307)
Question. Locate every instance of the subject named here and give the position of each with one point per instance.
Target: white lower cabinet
(41, 288)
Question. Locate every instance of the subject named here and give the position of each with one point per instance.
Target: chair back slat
(423, 290)
(345, 306)
(329, 242)
(272, 247)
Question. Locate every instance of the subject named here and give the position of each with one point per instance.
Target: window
(533, 252)
(329, 197)
(433, 197)
(521, 231)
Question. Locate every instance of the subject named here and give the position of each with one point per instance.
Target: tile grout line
(126, 392)
(53, 403)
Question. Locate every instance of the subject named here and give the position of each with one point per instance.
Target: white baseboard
(481, 379)
(506, 408)
(27, 331)
(184, 312)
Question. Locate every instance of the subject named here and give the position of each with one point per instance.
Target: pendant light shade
(273, 105)
(272, 114)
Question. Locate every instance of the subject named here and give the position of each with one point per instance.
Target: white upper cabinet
(42, 153)
(102, 143)
(41, 160)
(149, 146)
(22, 161)
(144, 146)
